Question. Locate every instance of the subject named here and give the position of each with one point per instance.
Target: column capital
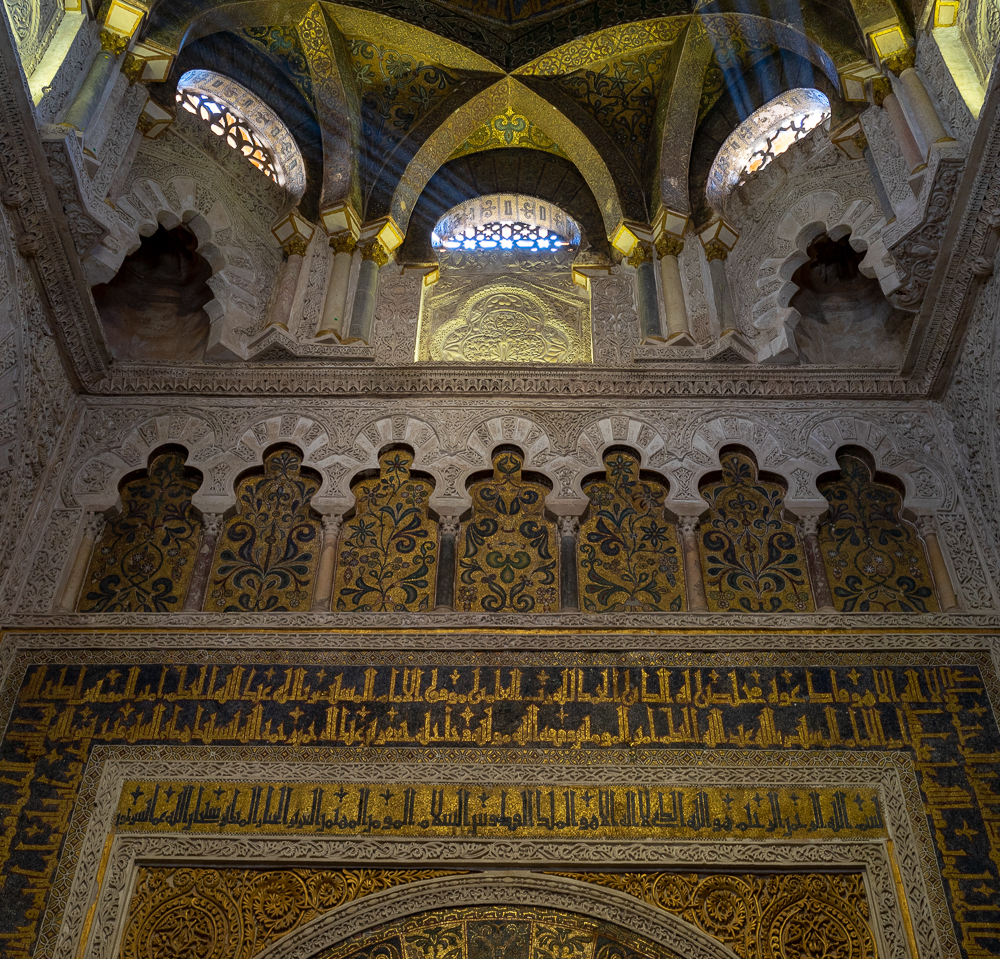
(688, 525)
(132, 67)
(881, 88)
(669, 245)
(927, 524)
(641, 253)
(94, 523)
(718, 239)
(449, 525)
(332, 523)
(568, 525)
(374, 251)
(715, 250)
(211, 523)
(296, 245)
(807, 525)
(114, 43)
(343, 242)
(898, 63)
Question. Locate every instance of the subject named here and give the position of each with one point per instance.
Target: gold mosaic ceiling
(621, 87)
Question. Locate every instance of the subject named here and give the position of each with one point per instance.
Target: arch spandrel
(480, 110)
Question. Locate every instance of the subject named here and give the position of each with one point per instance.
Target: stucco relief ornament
(505, 325)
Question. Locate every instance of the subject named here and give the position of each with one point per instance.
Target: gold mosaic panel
(145, 557)
(508, 129)
(266, 556)
(388, 549)
(237, 913)
(508, 551)
(751, 558)
(874, 559)
(629, 557)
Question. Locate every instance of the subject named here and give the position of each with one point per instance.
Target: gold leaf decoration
(507, 129)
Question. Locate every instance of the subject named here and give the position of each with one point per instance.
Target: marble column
(641, 259)
(295, 248)
(569, 587)
(678, 327)
(93, 525)
(323, 590)
(194, 602)
(888, 101)
(373, 258)
(815, 568)
(88, 98)
(927, 525)
(696, 600)
(919, 107)
(448, 529)
(716, 254)
(335, 306)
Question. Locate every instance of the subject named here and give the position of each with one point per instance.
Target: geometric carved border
(110, 767)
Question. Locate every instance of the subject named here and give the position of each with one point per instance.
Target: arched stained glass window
(246, 123)
(764, 135)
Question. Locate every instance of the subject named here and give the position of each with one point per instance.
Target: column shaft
(373, 256)
(678, 328)
(323, 590)
(649, 312)
(904, 135)
(448, 527)
(93, 524)
(88, 98)
(335, 306)
(723, 299)
(822, 597)
(569, 588)
(692, 565)
(194, 602)
(939, 569)
(919, 107)
(287, 287)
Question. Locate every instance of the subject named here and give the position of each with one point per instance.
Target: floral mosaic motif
(284, 46)
(396, 91)
(874, 559)
(507, 554)
(266, 557)
(628, 554)
(388, 549)
(751, 557)
(145, 557)
(622, 96)
(508, 129)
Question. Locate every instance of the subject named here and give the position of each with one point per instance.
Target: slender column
(918, 105)
(81, 111)
(295, 249)
(323, 591)
(885, 98)
(678, 328)
(92, 528)
(335, 307)
(692, 565)
(373, 257)
(194, 602)
(822, 597)
(569, 587)
(645, 279)
(716, 254)
(927, 524)
(448, 527)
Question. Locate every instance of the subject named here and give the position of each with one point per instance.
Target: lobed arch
(509, 888)
(645, 439)
(508, 92)
(146, 207)
(822, 211)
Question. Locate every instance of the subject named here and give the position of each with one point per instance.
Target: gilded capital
(641, 253)
(373, 250)
(132, 67)
(881, 88)
(668, 245)
(715, 250)
(901, 62)
(295, 245)
(343, 242)
(114, 43)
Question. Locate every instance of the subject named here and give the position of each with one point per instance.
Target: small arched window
(764, 135)
(506, 221)
(246, 123)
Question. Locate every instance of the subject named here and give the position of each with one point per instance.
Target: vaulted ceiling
(637, 94)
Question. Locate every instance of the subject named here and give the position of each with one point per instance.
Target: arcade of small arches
(744, 551)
